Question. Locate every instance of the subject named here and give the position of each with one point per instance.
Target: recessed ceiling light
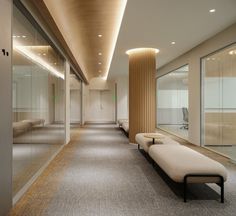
(44, 54)
(55, 63)
(23, 36)
(173, 42)
(18, 36)
(14, 36)
(100, 71)
(100, 53)
(212, 10)
(99, 63)
(99, 35)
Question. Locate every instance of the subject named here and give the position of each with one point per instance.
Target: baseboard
(100, 122)
(172, 133)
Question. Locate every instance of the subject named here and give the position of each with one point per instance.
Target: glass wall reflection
(172, 102)
(219, 101)
(38, 100)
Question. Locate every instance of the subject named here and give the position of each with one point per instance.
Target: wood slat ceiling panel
(80, 22)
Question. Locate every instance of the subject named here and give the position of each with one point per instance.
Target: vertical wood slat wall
(142, 94)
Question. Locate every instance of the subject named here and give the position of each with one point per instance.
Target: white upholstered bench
(121, 121)
(145, 143)
(125, 126)
(185, 165)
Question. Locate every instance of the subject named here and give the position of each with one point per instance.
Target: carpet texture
(100, 174)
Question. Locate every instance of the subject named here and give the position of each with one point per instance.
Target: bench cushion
(125, 126)
(121, 121)
(147, 142)
(178, 161)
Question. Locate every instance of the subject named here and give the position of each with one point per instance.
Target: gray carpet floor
(107, 176)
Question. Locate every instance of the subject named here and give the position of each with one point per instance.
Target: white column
(5, 106)
(83, 100)
(67, 103)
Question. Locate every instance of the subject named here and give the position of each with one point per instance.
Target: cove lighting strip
(27, 53)
(116, 33)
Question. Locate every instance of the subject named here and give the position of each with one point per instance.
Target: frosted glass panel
(219, 101)
(172, 102)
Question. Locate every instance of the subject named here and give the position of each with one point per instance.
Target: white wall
(5, 108)
(75, 99)
(105, 91)
(75, 105)
(222, 39)
(122, 97)
(67, 102)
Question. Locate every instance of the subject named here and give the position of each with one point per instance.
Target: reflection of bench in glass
(35, 122)
(25, 125)
(20, 127)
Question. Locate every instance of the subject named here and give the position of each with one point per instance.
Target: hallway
(100, 173)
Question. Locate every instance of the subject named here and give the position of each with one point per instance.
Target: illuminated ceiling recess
(89, 28)
(26, 51)
(137, 50)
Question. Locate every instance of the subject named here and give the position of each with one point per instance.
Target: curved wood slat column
(142, 94)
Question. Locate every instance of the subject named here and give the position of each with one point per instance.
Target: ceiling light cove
(136, 50)
(26, 51)
(117, 25)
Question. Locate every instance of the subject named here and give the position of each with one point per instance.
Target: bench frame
(185, 183)
(221, 184)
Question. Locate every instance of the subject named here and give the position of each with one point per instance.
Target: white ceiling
(156, 23)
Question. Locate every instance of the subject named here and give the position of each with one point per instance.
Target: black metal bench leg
(185, 189)
(222, 190)
(138, 147)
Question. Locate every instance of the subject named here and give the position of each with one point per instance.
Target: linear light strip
(23, 50)
(118, 25)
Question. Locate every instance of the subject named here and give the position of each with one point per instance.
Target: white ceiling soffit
(157, 23)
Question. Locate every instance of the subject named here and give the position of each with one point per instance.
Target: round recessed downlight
(100, 53)
(99, 63)
(212, 10)
(173, 42)
(100, 35)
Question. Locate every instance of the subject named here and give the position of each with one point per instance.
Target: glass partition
(172, 102)
(38, 100)
(219, 101)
